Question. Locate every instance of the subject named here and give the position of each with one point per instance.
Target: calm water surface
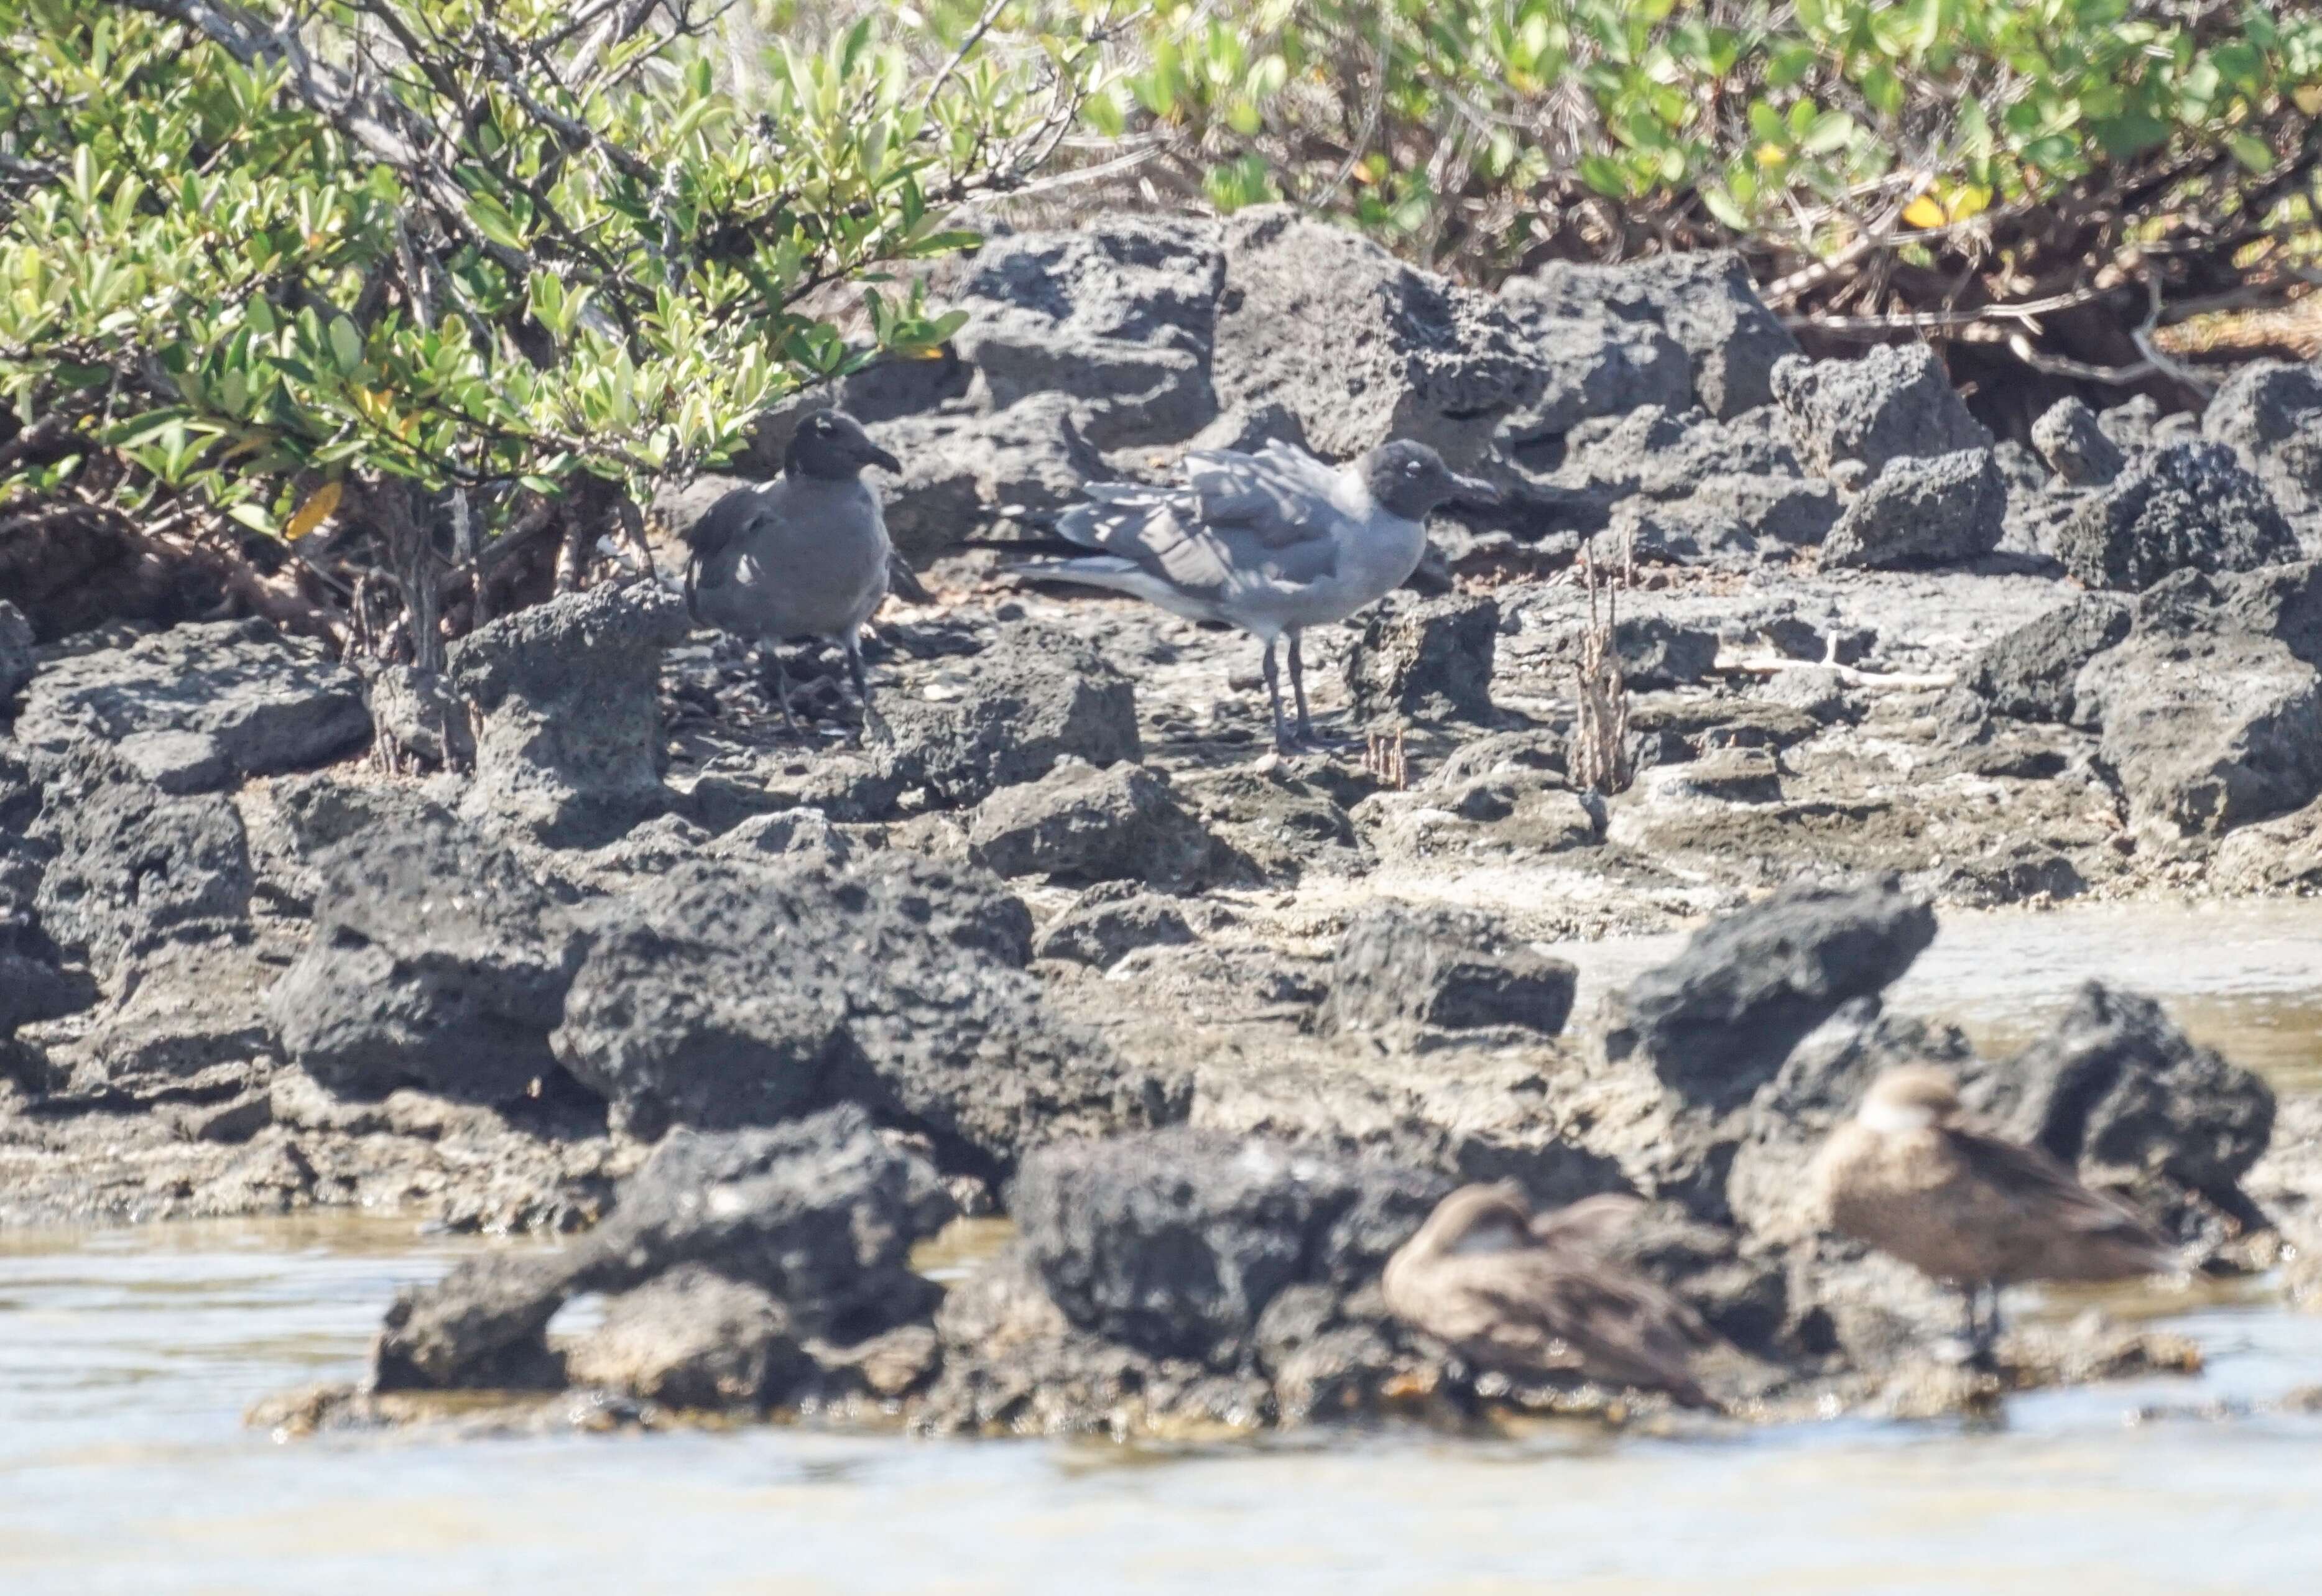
(128, 1356)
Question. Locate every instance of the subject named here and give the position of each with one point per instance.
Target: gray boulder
(1116, 317)
(1080, 823)
(570, 746)
(820, 1215)
(437, 960)
(1040, 695)
(1895, 403)
(728, 993)
(1428, 660)
(2072, 441)
(1727, 514)
(2186, 506)
(1406, 972)
(134, 867)
(2138, 425)
(1704, 302)
(33, 983)
(788, 833)
(966, 470)
(2210, 711)
(1666, 454)
(2029, 674)
(691, 1338)
(17, 662)
(1716, 1022)
(198, 706)
(1592, 366)
(2270, 414)
(1176, 1242)
(1944, 510)
(1103, 929)
(1656, 653)
(1406, 354)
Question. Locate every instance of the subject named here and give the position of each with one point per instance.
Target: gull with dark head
(1530, 1296)
(805, 555)
(1916, 1178)
(1271, 542)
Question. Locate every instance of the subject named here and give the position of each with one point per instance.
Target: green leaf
(346, 346)
(1721, 205)
(2250, 151)
(1605, 175)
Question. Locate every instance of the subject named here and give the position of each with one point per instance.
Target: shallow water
(127, 1358)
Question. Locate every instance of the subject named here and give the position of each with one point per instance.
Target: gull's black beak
(1475, 490)
(873, 455)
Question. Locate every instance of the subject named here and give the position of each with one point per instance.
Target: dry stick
(1600, 756)
(572, 559)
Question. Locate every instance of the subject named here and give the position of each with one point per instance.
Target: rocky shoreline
(754, 1015)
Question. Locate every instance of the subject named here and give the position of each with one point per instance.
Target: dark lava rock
(1656, 653)
(1673, 455)
(2211, 709)
(1176, 1242)
(2029, 673)
(1116, 316)
(1427, 660)
(2072, 441)
(1728, 514)
(1718, 1020)
(1405, 970)
(961, 471)
(1040, 695)
(1593, 366)
(1941, 510)
(570, 690)
(2138, 424)
(418, 714)
(2270, 414)
(691, 1338)
(33, 982)
(17, 662)
(805, 834)
(1408, 355)
(193, 1020)
(1704, 301)
(1082, 824)
(2118, 1090)
(2187, 507)
(1249, 428)
(2009, 873)
(1895, 403)
(437, 960)
(1102, 932)
(1279, 822)
(1729, 776)
(135, 868)
(729, 993)
(196, 706)
(820, 1215)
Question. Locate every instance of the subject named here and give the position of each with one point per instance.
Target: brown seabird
(1914, 1177)
(1530, 1297)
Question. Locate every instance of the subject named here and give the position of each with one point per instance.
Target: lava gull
(1913, 1177)
(1271, 542)
(805, 555)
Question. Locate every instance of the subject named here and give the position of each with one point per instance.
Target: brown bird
(1526, 1296)
(1915, 1177)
